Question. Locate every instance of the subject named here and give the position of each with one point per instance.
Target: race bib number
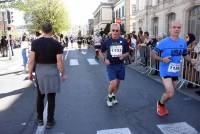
(174, 67)
(115, 51)
(97, 44)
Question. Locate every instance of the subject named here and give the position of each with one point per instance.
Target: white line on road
(92, 62)
(41, 129)
(177, 128)
(66, 54)
(115, 131)
(73, 62)
(83, 52)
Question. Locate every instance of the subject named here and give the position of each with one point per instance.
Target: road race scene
(99, 67)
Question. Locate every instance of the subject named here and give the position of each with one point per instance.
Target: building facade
(155, 16)
(130, 13)
(119, 14)
(102, 16)
(90, 27)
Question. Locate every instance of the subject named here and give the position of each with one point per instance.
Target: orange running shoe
(161, 110)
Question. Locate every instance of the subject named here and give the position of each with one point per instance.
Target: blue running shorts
(116, 71)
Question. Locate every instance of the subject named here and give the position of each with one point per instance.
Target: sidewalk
(11, 66)
(191, 92)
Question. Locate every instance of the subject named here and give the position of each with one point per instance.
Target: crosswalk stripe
(74, 62)
(92, 62)
(115, 131)
(177, 128)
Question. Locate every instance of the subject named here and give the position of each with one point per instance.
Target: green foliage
(13, 4)
(39, 11)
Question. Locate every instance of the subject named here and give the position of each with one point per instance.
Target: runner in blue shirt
(113, 51)
(171, 50)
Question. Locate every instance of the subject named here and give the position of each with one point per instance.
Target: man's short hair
(47, 27)
(114, 25)
(175, 22)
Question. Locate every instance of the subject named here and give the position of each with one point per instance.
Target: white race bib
(97, 44)
(116, 50)
(174, 67)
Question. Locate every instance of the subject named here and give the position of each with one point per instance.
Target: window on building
(116, 14)
(194, 22)
(155, 26)
(123, 11)
(133, 9)
(170, 17)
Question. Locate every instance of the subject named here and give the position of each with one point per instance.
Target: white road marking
(177, 128)
(73, 62)
(92, 62)
(83, 52)
(66, 54)
(115, 131)
(41, 129)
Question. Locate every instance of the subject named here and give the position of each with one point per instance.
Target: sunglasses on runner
(114, 30)
(176, 27)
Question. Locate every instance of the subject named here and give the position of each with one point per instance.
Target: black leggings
(51, 106)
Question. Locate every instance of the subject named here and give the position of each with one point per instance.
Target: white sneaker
(114, 100)
(109, 101)
(109, 104)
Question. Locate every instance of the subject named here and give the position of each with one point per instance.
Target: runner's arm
(31, 64)
(155, 56)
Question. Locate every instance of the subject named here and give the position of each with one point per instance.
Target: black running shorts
(174, 78)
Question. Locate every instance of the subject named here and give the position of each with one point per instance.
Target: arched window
(170, 17)
(155, 26)
(194, 22)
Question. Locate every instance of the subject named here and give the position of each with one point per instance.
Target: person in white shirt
(24, 48)
(97, 45)
(133, 47)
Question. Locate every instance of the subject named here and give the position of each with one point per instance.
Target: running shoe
(40, 122)
(161, 110)
(50, 124)
(109, 101)
(114, 100)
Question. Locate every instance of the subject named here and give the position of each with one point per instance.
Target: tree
(39, 11)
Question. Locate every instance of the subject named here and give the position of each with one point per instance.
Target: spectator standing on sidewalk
(128, 39)
(147, 48)
(4, 43)
(133, 46)
(114, 50)
(47, 53)
(171, 49)
(11, 40)
(141, 47)
(24, 49)
(188, 67)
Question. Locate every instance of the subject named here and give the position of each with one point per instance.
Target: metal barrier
(143, 57)
(188, 72)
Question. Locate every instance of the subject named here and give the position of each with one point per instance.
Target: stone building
(155, 16)
(102, 16)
